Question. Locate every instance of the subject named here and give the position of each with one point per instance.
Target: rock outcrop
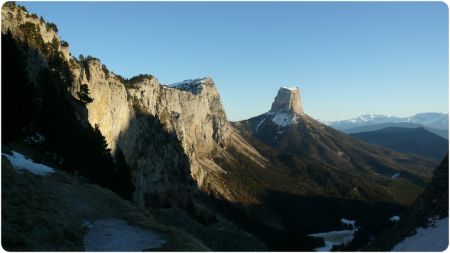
(23, 24)
(287, 100)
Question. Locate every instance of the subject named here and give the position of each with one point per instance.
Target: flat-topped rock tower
(287, 100)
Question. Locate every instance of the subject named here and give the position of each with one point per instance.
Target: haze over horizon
(347, 59)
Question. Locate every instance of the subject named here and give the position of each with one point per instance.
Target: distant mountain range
(432, 121)
(408, 140)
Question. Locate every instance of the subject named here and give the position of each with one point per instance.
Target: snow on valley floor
(117, 235)
(336, 237)
(394, 218)
(432, 238)
(21, 162)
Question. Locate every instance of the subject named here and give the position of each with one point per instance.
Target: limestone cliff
(23, 24)
(163, 131)
(287, 100)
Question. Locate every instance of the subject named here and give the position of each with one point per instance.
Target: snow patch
(348, 222)
(395, 176)
(432, 238)
(394, 218)
(284, 119)
(260, 123)
(193, 86)
(117, 235)
(334, 238)
(35, 138)
(21, 162)
(289, 88)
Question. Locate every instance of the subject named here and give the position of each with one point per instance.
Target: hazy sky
(347, 58)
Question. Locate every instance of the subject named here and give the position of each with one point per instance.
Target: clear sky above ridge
(347, 59)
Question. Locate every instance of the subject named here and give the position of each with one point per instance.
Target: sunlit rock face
(190, 111)
(287, 100)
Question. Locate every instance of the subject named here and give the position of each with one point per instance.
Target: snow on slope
(117, 235)
(394, 218)
(396, 175)
(289, 88)
(348, 222)
(284, 119)
(193, 86)
(432, 238)
(21, 162)
(334, 238)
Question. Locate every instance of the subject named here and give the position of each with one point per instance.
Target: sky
(348, 59)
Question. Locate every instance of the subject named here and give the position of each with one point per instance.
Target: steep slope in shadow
(431, 205)
(53, 212)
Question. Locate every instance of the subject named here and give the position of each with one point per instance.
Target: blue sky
(347, 58)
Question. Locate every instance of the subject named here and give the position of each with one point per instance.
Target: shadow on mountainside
(284, 220)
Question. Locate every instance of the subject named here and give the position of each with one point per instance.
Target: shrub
(83, 94)
(105, 70)
(10, 4)
(22, 8)
(121, 78)
(64, 43)
(32, 35)
(52, 26)
(139, 78)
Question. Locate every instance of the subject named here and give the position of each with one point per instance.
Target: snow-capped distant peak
(193, 86)
(433, 120)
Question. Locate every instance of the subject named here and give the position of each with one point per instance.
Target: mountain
(289, 130)
(327, 159)
(408, 140)
(170, 150)
(434, 122)
(424, 226)
(441, 132)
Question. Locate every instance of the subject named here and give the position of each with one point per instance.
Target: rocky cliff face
(21, 23)
(287, 100)
(191, 111)
(166, 133)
